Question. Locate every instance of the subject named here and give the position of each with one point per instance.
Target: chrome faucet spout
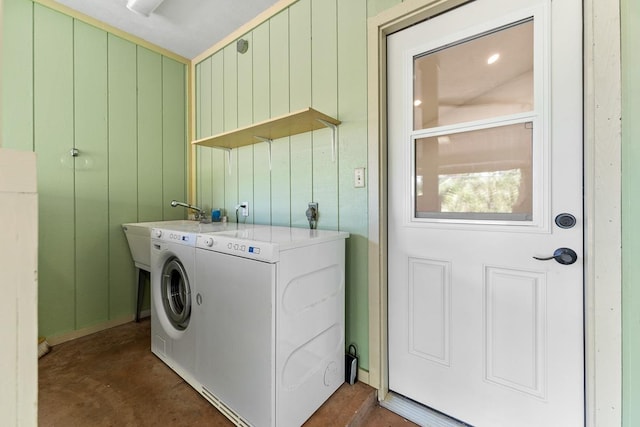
(197, 210)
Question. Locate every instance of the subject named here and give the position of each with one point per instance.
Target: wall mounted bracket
(228, 150)
(334, 131)
(269, 141)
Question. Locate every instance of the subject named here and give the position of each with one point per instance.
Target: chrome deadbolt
(563, 256)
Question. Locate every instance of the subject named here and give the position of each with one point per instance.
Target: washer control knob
(208, 241)
(158, 233)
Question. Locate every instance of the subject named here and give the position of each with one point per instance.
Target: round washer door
(176, 293)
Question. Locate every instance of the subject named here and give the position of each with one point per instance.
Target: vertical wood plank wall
(53, 138)
(91, 174)
(630, 16)
(123, 157)
(124, 108)
(312, 54)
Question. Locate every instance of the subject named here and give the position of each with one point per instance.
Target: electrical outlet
(244, 206)
(358, 177)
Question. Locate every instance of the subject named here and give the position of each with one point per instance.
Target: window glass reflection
(483, 174)
(480, 78)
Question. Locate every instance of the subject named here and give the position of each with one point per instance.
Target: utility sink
(139, 236)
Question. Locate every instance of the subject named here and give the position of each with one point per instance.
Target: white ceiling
(185, 27)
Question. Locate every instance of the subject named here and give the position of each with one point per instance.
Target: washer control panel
(260, 251)
(172, 236)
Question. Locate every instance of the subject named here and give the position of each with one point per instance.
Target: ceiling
(184, 27)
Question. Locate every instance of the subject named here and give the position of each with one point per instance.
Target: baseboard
(363, 376)
(79, 333)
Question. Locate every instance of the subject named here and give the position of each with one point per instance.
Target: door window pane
(487, 76)
(484, 174)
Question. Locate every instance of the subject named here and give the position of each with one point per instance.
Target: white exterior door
(485, 173)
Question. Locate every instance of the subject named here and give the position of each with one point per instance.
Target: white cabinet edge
(17, 171)
(19, 284)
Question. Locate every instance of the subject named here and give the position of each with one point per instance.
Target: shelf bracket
(269, 141)
(334, 131)
(228, 150)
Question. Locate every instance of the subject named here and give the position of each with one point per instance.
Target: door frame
(602, 190)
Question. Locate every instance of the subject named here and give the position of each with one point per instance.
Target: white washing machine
(173, 289)
(139, 240)
(173, 294)
(272, 300)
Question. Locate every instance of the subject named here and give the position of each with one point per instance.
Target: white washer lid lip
(283, 237)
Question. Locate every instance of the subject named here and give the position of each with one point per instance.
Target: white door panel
(478, 328)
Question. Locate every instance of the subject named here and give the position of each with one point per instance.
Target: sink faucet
(199, 215)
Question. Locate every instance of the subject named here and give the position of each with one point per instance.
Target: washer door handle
(199, 299)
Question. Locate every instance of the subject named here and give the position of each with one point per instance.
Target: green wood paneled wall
(630, 16)
(91, 177)
(377, 6)
(312, 54)
(17, 75)
(70, 85)
(123, 157)
(53, 138)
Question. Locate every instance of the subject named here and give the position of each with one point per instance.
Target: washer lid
(264, 243)
(284, 237)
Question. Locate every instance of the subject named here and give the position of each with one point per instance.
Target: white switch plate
(358, 177)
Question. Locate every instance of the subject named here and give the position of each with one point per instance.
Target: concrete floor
(111, 378)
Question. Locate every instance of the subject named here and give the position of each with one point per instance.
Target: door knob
(564, 256)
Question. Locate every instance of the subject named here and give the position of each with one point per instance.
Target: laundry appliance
(173, 288)
(139, 239)
(174, 293)
(272, 300)
(138, 235)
